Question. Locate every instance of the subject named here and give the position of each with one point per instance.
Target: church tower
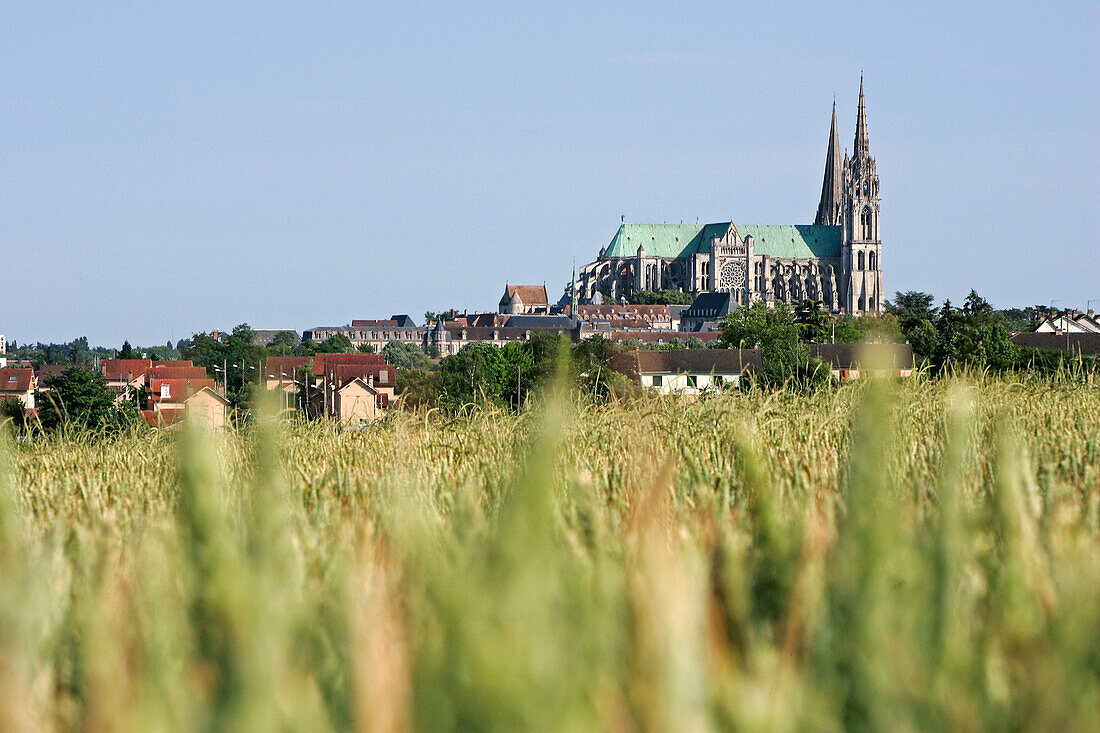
(862, 251)
(830, 208)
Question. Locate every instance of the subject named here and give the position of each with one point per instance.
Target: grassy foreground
(907, 556)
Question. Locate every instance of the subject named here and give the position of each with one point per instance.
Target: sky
(167, 168)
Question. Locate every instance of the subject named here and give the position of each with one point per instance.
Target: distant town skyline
(194, 166)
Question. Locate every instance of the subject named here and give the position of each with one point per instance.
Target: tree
(404, 355)
(772, 329)
(418, 388)
(813, 321)
(336, 344)
(660, 297)
(911, 305)
(127, 351)
(366, 349)
(79, 398)
(11, 408)
(758, 325)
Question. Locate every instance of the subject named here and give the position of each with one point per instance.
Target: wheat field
(914, 555)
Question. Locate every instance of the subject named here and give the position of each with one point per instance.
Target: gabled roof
(119, 369)
(686, 361)
(404, 320)
(176, 372)
(529, 294)
(326, 362)
(207, 389)
(864, 356)
(179, 390)
(16, 380)
(391, 323)
(345, 373)
(681, 240)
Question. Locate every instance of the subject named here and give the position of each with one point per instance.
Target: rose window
(732, 275)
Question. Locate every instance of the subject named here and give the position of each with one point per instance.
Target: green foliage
(418, 388)
(366, 348)
(660, 297)
(127, 351)
(972, 336)
(814, 324)
(78, 400)
(785, 357)
(13, 411)
(404, 355)
(485, 373)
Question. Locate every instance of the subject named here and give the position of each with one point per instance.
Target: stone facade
(837, 259)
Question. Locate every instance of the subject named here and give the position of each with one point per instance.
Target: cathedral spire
(861, 145)
(828, 209)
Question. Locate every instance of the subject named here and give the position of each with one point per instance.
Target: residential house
(686, 371)
(1071, 322)
(852, 361)
(20, 384)
(172, 400)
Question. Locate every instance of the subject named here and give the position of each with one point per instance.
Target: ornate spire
(861, 144)
(828, 209)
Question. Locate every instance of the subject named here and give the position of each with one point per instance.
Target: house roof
(864, 356)
(16, 380)
(390, 323)
(404, 320)
(663, 337)
(686, 361)
(118, 369)
(326, 362)
(530, 294)
(176, 372)
(709, 305)
(276, 366)
(1086, 344)
(264, 336)
(345, 373)
(210, 390)
(682, 240)
(178, 389)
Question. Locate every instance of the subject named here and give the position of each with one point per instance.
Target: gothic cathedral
(837, 259)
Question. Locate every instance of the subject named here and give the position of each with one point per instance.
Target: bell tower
(862, 252)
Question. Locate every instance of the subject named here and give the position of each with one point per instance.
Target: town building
(172, 400)
(524, 299)
(19, 384)
(837, 259)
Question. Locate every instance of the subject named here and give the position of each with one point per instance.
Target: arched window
(872, 261)
(865, 220)
(862, 261)
(862, 303)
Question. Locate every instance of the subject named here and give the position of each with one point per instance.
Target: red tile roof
(124, 369)
(277, 366)
(178, 389)
(529, 294)
(345, 373)
(176, 372)
(326, 362)
(16, 381)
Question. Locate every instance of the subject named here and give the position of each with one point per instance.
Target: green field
(921, 555)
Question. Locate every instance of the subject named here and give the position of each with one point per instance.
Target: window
(865, 220)
(872, 260)
(692, 381)
(861, 261)
(657, 380)
(165, 391)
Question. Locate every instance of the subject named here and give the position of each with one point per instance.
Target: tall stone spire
(861, 144)
(832, 187)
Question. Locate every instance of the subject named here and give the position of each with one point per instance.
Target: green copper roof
(681, 240)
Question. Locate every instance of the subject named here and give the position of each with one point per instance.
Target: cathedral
(836, 260)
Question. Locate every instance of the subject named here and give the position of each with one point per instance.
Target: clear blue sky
(167, 168)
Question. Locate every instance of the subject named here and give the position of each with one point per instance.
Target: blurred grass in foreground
(911, 556)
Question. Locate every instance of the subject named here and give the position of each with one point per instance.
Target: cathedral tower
(860, 219)
(830, 208)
